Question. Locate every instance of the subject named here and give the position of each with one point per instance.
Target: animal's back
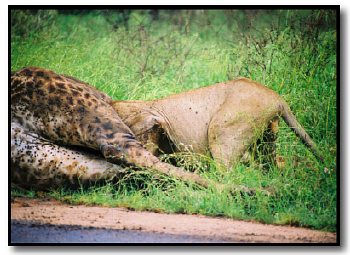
(189, 113)
(61, 108)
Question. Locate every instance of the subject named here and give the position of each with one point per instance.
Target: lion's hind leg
(229, 138)
(265, 149)
(38, 163)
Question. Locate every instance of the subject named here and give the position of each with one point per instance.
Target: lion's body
(224, 119)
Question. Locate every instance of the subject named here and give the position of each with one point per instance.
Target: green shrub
(27, 22)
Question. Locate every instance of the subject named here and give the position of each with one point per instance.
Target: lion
(224, 120)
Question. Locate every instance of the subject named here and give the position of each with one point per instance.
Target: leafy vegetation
(148, 54)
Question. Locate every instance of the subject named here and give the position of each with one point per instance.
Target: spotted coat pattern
(50, 113)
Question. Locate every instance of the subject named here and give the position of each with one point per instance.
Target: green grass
(145, 59)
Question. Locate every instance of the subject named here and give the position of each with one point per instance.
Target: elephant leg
(39, 163)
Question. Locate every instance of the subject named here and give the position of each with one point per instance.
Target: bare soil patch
(40, 211)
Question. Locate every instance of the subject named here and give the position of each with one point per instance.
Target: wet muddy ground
(42, 221)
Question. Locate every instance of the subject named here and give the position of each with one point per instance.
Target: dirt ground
(43, 212)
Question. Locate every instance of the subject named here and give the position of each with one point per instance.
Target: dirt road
(33, 219)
